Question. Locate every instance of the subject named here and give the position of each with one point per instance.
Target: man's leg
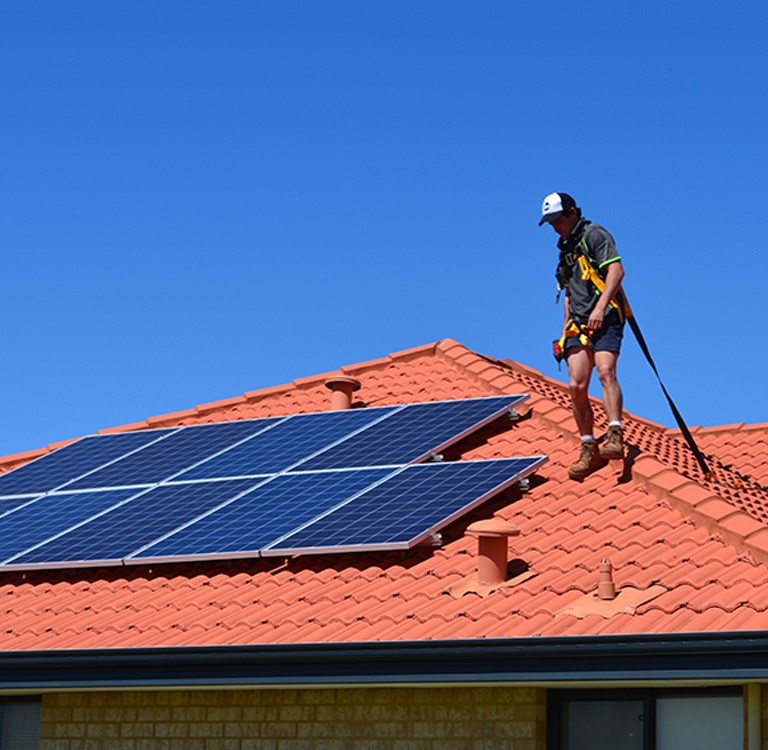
(581, 361)
(613, 402)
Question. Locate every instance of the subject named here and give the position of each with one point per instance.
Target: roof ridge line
(555, 415)
(173, 418)
(479, 366)
(17, 459)
(727, 428)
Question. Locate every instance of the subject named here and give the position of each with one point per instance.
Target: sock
(615, 423)
(588, 439)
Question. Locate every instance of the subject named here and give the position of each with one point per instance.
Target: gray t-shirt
(600, 251)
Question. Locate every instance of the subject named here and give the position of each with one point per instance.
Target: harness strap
(675, 412)
(573, 330)
(588, 273)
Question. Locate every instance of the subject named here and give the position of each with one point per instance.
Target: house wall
(322, 719)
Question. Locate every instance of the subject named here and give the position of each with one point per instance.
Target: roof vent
(492, 546)
(342, 388)
(606, 589)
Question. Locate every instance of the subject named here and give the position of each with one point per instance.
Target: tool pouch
(558, 352)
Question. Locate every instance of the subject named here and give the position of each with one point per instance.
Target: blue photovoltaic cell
(9, 504)
(403, 509)
(114, 535)
(73, 460)
(264, 514)
(50, 515)
(284, 444)
(411, 434)
(167, 457)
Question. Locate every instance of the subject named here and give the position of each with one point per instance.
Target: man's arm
(612, 284)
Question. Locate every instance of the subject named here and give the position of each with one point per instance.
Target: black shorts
(607, 339)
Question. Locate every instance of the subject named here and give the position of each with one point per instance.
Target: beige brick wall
(345, 719)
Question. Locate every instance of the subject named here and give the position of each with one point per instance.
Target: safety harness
(572, 329)
(584, 334)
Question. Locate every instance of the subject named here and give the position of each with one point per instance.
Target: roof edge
(594, 659)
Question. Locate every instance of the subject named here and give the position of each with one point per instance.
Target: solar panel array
(327, 481)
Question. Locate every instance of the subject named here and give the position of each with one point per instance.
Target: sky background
(199, 199)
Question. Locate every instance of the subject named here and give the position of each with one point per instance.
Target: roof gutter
(741, 656)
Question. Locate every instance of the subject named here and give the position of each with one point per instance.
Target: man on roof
(590, 271)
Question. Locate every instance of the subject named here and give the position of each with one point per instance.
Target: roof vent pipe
(342, 388)
(492, 546)
(606, 589)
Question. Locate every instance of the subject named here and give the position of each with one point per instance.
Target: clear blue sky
(200, 199)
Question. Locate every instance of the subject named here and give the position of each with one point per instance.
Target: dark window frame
(649, 695)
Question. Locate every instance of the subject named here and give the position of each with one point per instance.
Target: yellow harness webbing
(588, 273)
(573, 329)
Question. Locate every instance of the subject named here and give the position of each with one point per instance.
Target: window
(19, 724)
(646, 720)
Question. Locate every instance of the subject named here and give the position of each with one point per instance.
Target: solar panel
(288, 442)
(259, 517)
(412, 434)
(407, 507)
(163, 459)
(47, 516)
(72, 461)
(308, 482)
(148, 515)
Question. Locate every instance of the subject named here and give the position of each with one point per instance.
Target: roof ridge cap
(262, 393)
(491, 371)
(173, 418)
(17, 459)
(728, 428)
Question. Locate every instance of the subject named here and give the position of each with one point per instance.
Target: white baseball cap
(555, 205)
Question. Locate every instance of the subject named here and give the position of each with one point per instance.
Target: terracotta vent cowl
(606, 589)
(492, 546)
(342, 387)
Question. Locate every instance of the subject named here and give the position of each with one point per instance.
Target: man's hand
(595, 321)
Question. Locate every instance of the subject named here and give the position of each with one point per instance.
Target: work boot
(613, 445)
(589, 461)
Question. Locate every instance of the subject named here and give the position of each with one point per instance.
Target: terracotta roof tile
(662, 523)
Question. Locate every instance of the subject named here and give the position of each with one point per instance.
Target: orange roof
(688, 554)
